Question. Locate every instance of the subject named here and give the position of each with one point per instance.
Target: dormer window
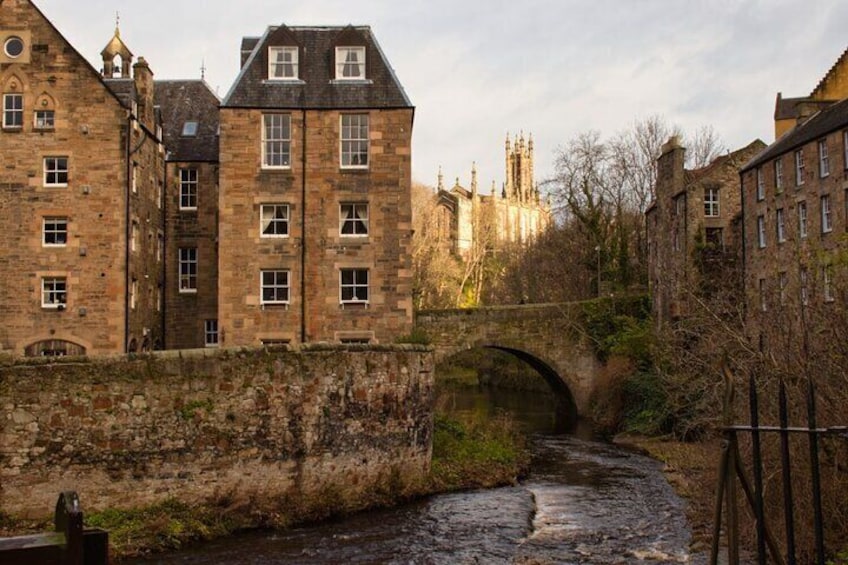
(350, 63)
(189, 129)
(282, 63)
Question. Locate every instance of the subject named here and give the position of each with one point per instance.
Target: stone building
(691, 225)
(81, 192)
(315, 192)
(796, 216)
(113, 226)
(516, 214)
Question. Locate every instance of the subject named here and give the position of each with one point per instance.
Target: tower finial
(117, 24)
(203, 69)
(441, 179)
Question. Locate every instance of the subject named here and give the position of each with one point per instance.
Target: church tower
(519, 186)
(116, 51)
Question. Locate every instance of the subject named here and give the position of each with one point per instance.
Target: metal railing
(731, 470)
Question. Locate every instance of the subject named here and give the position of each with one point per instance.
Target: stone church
(140, 214)
(515, 214)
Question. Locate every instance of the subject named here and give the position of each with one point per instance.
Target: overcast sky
(476, 70)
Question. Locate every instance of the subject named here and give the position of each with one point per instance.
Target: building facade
(516, 214)
(82, 162)
(315, 192)
(138, 214)
(692, 226)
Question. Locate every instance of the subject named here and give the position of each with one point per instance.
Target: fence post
(788, 510)
(814, 470)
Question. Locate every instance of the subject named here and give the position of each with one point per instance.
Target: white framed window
(354, 141)
(802, 278)
(274, 286)
(133, 294)
(210, 333)
(763, 290)
(761, 231)
(711, 202)
(799, 167)
(827, 281)
(781, 225)
(824, 159)
(274, 220)
(54, 292)
(350, 63)
(188, 269)
(353, 286)
(826, 222)
(160, 245)
(353, 219)
(13, 47)
(778, 175)
(761, 185)
(188, 189)
(55, 232)
(134, 179)
(782, 282)
(276, 141)
(802, 220)
(282, 63)
(13, 111)
(189, 129)
(55, 171)
(45, 119)
(134, 236)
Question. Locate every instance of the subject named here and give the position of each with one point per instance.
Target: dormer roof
(316, 87)
(188, 101)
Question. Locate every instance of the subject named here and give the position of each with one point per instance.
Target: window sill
(354, 305)
(274, 305)
(188, 291)
(354, 81)
(54, 307)
(13, 129)
(275, 237)
(354, 170)
(55, 185)
(188, 209)
(266, 169)
(37, 129)
(286, 81)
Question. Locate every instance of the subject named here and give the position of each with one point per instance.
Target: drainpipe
(744, 252)
(303, 229)
(163, 273)
(127, 233)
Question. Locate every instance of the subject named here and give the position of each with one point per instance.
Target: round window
(14, 46)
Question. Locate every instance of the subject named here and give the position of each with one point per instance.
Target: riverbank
(468, 453)
(692, 470)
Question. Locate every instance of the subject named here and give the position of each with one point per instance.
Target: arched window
(53, 348)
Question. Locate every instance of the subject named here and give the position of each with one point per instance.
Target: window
(680, 205)
(783, 282)
(54, 292)
(274, 220)
(354, 141)
(134, 236)
(802, 220)
(160, 244)
(134, 179)
(802, 276)
(826, 225)
(275, 287)
(799, 167)
(45, 119)
(824, 159)
(13, 47)
(711, 202)
(55, 232)
(276, 141)
(715, 237)
(282, 63)
(13, 110)
(781, 226)
(55, 171)
(188, 269)
(827, 280)
(159, 298)
(354, 286)
(188, 189)
(189, 129)
(350, 63)
(763, 302)
(353, 219)
(761, 185)
(134, 294)
(761, 231)
(778, 175)
(210, 333)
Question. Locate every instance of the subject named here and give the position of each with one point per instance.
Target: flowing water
(584, 502)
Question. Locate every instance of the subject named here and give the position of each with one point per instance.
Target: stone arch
(555, 381)
(54, 348)
(12, 83)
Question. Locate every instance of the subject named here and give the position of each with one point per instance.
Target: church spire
(441, 179)
(114, 50)
(474, 178)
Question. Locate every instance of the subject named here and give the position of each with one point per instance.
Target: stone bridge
(549, 337)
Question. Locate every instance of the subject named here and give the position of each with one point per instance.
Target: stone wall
(201, 425)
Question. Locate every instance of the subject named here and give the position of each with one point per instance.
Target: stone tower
(116, 50)
(519, 186)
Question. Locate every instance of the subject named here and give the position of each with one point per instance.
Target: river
(584, 502)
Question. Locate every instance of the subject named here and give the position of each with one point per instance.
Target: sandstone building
(516, 214)
(315, 192)
(691, 225)
(113, 226)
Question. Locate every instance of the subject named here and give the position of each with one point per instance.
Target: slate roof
(181, 101)
(123, 89)
(316, 88)
(832, 118)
